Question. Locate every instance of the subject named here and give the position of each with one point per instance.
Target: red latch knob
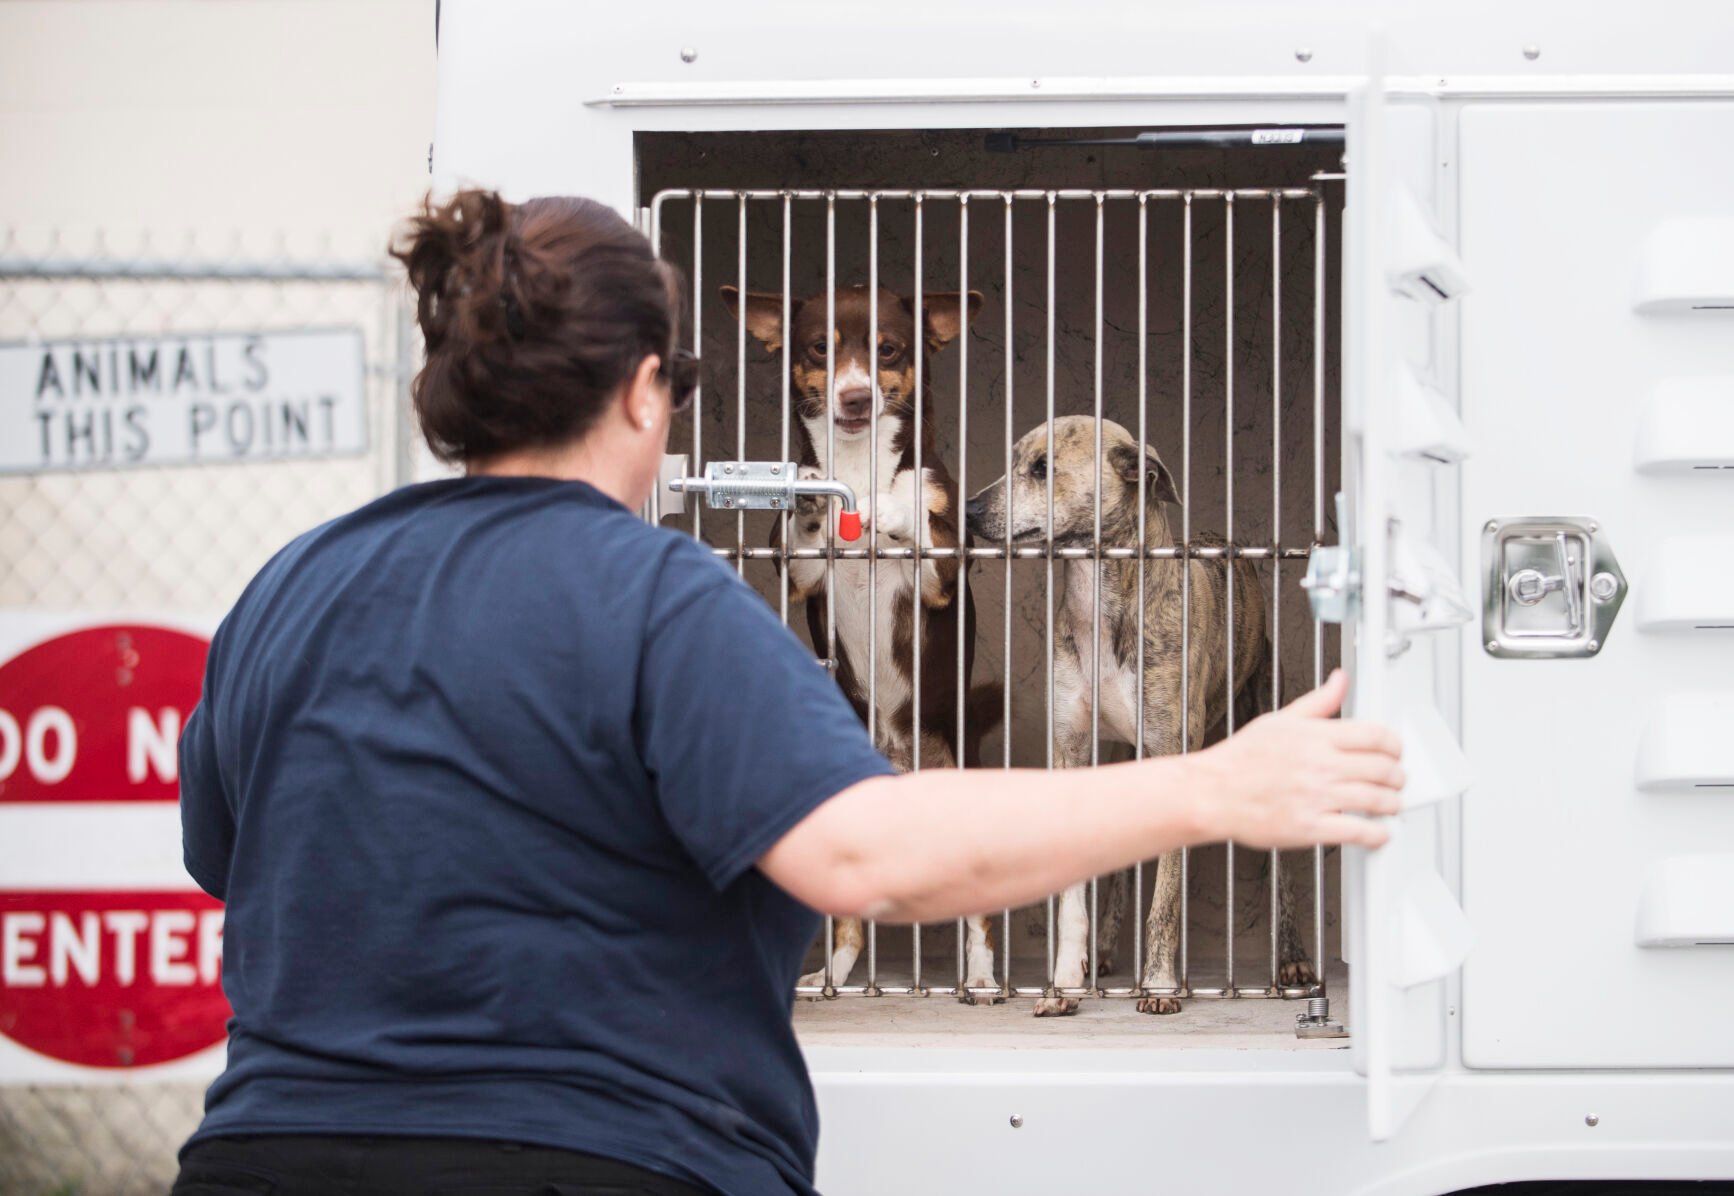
(849, 524)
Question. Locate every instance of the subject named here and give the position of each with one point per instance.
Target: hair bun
(532, 314)
(456, 255)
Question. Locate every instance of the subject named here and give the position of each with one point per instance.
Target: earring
(647, 422)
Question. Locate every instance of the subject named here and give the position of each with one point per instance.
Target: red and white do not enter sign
(95, 714)
(109, 955)
(112, 978)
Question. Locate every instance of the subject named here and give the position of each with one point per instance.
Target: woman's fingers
(1360, 798)
(1357, 735)
(1356, 832)
(1373, 768)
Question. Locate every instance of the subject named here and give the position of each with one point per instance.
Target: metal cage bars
(921, 552)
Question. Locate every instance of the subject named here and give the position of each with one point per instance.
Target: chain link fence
(171, 538)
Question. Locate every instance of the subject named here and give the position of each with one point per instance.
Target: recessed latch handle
(1553, 587)
(1529, 586)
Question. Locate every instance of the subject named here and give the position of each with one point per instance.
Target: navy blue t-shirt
(481, 771)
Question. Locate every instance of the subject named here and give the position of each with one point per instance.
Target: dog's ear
(764, 315)
(944, 315)
(1159, 485)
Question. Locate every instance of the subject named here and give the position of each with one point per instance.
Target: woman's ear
(641, 401)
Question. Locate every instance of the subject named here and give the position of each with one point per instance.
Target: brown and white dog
(891, 516)
(1022, 503)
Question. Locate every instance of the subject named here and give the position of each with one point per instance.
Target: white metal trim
(775, 92)
(921, 91)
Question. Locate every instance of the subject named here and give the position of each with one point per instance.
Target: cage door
(1399, 595)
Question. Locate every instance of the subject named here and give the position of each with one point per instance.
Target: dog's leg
(847, 941)
(938, 577)
(806, 530)
(898, 511)
(1162, 938)
(1072, 915)
(978, 962)
(1162, 927)
(1294, 967)
(1071, 953)
(1113, 893)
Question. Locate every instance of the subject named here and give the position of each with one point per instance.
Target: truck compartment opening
(1188, 295)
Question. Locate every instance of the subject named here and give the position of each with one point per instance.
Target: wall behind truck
(265, 117)
(287, 134)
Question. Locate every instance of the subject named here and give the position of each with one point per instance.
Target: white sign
(177, 400)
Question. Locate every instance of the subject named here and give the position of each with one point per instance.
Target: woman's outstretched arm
(942, 843)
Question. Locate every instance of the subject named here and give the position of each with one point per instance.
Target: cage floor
(940, 1020)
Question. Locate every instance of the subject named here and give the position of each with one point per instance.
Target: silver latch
(1423, 592)
(768, 486)
(1551, 587)
(1333, 577)
(1333, 583)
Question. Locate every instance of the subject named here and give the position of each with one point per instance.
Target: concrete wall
(306, 119)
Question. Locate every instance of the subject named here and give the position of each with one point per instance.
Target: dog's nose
(853, 401)
(973, 510)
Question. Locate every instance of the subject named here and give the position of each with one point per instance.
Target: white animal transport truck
(1429, 309)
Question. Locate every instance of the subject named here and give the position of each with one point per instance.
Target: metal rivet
(1493, 645)
(1492, 526)
(618, 89)
(1532, 51)
(689, 55)
(776, 469)
(1017, 1121)
(728, 469)
(1603, 586)
(1303, 55)
(1035, 82)
(1594, 527)
(1592, 1120)
(1594, 645)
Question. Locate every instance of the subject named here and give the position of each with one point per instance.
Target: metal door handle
(1573, 581)
(1527, 561)
(1530, 586)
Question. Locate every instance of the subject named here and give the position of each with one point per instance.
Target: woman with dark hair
(524, 811)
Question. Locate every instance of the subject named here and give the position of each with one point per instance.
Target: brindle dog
(891, 517)
(1211, 677)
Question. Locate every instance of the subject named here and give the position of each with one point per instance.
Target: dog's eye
(818, 348)
(890, 351)
(1039, 469)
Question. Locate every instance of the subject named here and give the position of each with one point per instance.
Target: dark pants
(340, 1165)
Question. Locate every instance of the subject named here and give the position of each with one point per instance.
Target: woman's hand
(1298, 777)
